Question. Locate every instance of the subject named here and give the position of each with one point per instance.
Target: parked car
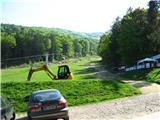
(7, 110)
(47, 104)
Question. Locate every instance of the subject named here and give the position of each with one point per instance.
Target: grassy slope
(20, 74)
(151, 75)
(82, 90)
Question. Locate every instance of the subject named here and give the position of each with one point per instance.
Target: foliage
(131, 38)
(151, 75)
(29, 41)
(8, 42)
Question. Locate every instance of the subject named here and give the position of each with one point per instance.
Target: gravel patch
(145, 87)
(121, 109)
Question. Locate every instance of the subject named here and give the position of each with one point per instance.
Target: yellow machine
(63, 72)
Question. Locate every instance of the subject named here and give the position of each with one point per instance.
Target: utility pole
(46, 55)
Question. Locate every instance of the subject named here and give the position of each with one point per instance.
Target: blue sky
(76, 15)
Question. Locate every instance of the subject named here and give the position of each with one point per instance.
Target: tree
(153, 18)
(77, 48)
(133, 37)
(152, 11)
(103, 48)
(8, 42)
(58, 48)
(115, 58)
(109, 46)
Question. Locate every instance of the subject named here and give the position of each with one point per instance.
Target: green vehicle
(7, 110)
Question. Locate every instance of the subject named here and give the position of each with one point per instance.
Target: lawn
(19, 74)
(81, 90)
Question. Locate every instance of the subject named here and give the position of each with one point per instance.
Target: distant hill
(95, 34)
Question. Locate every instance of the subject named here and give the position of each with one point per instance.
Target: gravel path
(145, 87)
(121, 109)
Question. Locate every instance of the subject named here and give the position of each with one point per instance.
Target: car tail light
(35, 108)
(62, 104)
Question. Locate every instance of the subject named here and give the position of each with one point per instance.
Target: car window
(46, 96)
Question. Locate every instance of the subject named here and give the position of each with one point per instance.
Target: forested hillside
(20, 41)
(134, 37)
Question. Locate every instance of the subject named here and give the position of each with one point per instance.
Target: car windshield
(46, 96)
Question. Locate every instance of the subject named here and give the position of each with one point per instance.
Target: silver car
(47, 104)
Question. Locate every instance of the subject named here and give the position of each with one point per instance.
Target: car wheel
(13, 117)
(66, 118)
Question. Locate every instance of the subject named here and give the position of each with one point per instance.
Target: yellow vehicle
(63, 72)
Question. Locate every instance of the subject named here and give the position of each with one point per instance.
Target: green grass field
(83, 89)
(19, 74)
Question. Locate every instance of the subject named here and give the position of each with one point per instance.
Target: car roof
(47, 90)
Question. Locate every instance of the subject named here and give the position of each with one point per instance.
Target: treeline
(134, 37)
(20, 41)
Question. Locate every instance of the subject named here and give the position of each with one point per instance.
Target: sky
(75, 15)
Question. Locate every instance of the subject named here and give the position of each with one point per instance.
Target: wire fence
(5, 63)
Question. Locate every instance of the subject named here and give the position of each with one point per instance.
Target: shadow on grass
(96, 62)
(91, 63)
(142, 84)
(112, 82)
(137, 75)
(87, 70)
(137, 84)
